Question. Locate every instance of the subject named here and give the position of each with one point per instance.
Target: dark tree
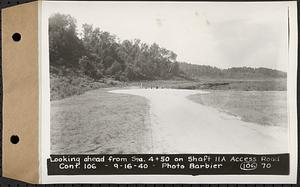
(64, 45)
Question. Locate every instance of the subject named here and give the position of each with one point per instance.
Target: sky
(218, 34)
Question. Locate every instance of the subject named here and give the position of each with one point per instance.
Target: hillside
(204, 71)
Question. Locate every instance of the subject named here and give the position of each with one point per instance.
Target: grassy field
(100, 122)
(69, 85)
(261, 107)
(85, 118)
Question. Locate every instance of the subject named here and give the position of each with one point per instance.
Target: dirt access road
(179, 125)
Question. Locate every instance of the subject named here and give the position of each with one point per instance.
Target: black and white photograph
(169, 78)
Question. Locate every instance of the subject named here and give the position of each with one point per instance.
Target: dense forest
(99, 54)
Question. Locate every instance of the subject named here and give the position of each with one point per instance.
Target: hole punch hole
(16, 37)
(14, 139)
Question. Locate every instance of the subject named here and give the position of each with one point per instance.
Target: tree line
(204, 71)
(99, 54)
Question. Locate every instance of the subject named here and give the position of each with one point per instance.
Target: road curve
(180, 125)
